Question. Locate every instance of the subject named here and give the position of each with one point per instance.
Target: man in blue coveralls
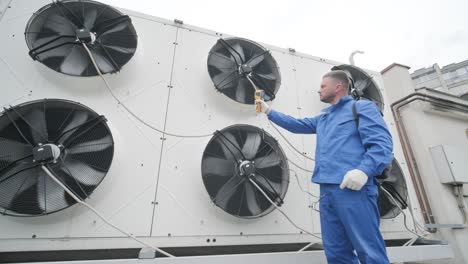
(348, 157)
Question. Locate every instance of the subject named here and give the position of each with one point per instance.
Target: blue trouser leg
(337, 245)
(350, 221)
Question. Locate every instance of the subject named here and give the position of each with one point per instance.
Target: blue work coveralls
(349, 219)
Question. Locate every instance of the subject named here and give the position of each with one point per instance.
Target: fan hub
(46, 153)
(245, 69)
(246, 168)
(85, 36)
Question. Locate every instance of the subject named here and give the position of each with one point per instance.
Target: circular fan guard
(235, 155)
(231, 60)
(83, 151)
(55, 33)
(365, 86)
(395, 184)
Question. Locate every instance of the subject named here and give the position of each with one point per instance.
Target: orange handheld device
(258, 96)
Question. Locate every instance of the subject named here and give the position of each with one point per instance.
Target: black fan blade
(254, 61)
(58, 53)
(82, 173)
(64, 175)
(229, 145)
(90, 19)
(77, 119)
(219, 167)
(103, 62)
(60, 25)
(225, 80)
(22, 197)
(270, 160)
(251, 145)
(271, 173)
(385, 204)
(51, 196)
(239, 52)
(392, 179)
(221, 62)
(41, 38)
(120, 49)
(267, 76)
(75, 62)
(13, 150)
(244, 91)
(119, 27)
(35, 118)
(270, 187)
(228, 190)
(251, 198)
(97, 145)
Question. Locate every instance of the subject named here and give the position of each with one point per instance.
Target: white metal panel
(184, 207)
(428, 126)
(154, 187)
(451, 164)
(128, 189)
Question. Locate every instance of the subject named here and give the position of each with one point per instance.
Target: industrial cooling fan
(56, 32)
(395, 185)
(232, 157)
(71, 140)
(231, 60)
(363, 85)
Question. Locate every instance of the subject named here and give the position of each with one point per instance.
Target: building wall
(452, 78)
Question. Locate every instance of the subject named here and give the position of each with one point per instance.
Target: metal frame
(159, 83)
(396, 254)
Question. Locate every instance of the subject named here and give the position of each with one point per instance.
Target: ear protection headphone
(353, 91)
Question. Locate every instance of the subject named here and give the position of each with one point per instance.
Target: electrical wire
(289, 143)
(91, 57)
(277, 130)
(304, 169)
(78, 200)
(300, 187)
(417, 225)
(460, 201)
(281, 211)
(401, 210)
(410, 242)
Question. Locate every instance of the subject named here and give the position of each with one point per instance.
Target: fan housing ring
(233, 158)
(232, 60)
(70, 139)
(55, 35)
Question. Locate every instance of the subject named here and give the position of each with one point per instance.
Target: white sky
(415, 33)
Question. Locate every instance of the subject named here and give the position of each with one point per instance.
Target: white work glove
(354, 180)
(265, 107)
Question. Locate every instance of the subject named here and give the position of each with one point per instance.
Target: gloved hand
(265, 107)
(354, 180)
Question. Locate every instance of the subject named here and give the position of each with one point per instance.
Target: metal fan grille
(231, 60)
(55, 33)
(364, 83)
(235, 155)
(86, 151)
(395, 184)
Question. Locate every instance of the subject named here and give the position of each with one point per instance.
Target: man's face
(327, 90)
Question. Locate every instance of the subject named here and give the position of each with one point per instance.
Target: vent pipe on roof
(351, 57)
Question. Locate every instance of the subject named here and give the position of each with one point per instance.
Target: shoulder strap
(356, 117)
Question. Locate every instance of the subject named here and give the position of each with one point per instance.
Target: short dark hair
(339, 75)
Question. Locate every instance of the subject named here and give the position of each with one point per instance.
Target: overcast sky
(415, 33)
